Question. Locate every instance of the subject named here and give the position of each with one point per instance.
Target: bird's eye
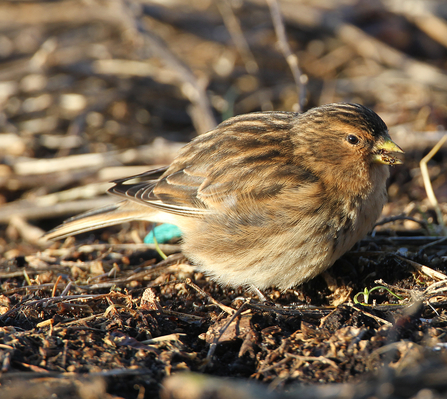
(352, 139)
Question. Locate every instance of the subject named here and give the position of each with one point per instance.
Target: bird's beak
(383, 153)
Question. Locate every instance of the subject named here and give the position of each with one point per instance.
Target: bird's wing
(247, 157)
(174, 193)
(192, 189)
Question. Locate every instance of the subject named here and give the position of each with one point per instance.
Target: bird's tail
(121, 212)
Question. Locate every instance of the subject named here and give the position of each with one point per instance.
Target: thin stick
(391, 219)
(374, 317)
(213, 345)
(234, 28)
(431, 244)
(300, 78)
(27, 211)
(226, 309)
(435, 288)
(168, 337)
(53, 293)
(432, 25)
(427, 183)
(166, 248)
(191, 87)
(66, 289)
(428, 271)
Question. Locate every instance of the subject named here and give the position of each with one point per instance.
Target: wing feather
(250, 156)
(176, 197)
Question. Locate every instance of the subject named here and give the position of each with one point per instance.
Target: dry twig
(427, 183)
(234, 28)
(424, 269)
(300, 78)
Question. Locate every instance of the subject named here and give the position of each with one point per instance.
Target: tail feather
(110, 215)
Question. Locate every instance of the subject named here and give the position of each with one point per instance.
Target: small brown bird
(265, 199)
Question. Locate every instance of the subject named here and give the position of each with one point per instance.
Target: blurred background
(94, 90)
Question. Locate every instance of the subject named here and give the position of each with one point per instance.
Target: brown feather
(265, 199)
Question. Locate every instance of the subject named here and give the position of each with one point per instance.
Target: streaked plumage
(265, 199)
